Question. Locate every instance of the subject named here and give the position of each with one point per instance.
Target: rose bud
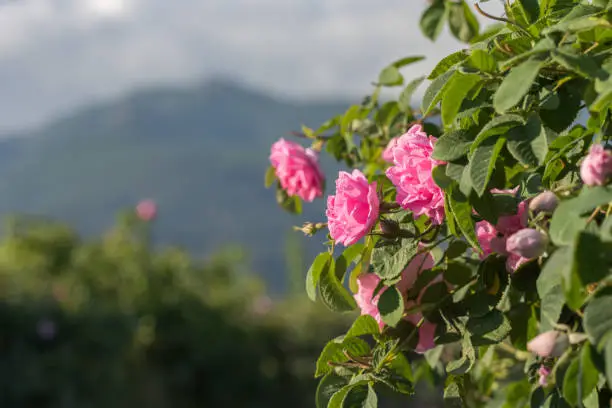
(528, 243)
(596, 166)
(549, 344)
(544, 202)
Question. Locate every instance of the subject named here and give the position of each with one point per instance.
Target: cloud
(58, 54)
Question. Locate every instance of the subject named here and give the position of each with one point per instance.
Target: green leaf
(332, 292)
(482, 61)
(270, 177)
(590, 262)
(453, 145)
(390, 76)
(483, 162)
(402, 62)
(462, 213)
(581, 378)
(491, 328)
(497, 126)
(608, 358)
(528, 143)
(455, 94)
(456, 249)
(454, 392)
(432, 20)
(570, 216)
(363, 325)
(328, 386)
(447, 63)
(361, 396)
(390, 259)
(550, 288)
(321, 263)
(581, 64)
(335, 352)
(598, 316)
(458, 272)
(461, 21)
(516, 85)
(405, 97)
(438, 173)
(435, 90)
(391, 306)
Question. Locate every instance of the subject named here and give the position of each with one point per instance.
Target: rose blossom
(528, 243)
(549, 344)
(387, 154)
(596, 166)
(411, 175)
(353, 211)
(297, 169)
(368, 303)
(146, 210)
(509, 224)
(489, 239)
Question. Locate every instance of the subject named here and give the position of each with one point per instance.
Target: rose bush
(487, 244)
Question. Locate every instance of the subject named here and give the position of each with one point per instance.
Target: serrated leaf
(328, 386)
(483, 162)
(335, 352)
(453, 145)
(461, 21)
(333, 294)
(497, 126)
(482, 61)
(391, 306)
(390, 260)
(550, 288)
(361, 396)
(598, 316)
(435, 90)
(405, 97)
(447, 63)
(581, 64)
(390, 76)
(528, 143)
(456, 92)
(491, 328)
(320, 263)
(362, 326)
(516, 85)
(432, 20)
(462, 213)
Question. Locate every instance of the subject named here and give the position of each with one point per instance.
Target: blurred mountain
(200, 152)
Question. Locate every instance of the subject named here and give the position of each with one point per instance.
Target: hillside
(200, 152)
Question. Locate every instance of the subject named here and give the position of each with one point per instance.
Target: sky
(58, 55)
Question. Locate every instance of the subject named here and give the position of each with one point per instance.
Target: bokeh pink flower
(543, 373)
(146, 210)
(527, 243)
(411, 175)
(549, 344)
(297, 170)
(596, 168)
(353, 211)
(368, 303)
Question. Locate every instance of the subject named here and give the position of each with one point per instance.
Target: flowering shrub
(487, 245)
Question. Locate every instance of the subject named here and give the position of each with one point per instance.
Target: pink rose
(549, 344)
(513, 262)
(543, 373)
(509, 224)
(146, 210)
(387, 154)
(368, 303)
(353, 211)
(489, 239)
(411, 175)
(297, 169)
(528, 243)
(596, 166)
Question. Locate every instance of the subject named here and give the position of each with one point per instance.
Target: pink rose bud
(411, 175)
(544, 202)
(543, 372)
(596, 166)
(353, 211)
(527, 243)
(297, 170)
(146, 210)
(549, 344)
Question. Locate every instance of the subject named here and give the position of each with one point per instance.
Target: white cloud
(58, 54)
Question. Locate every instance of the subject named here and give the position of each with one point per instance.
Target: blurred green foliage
(108, 322)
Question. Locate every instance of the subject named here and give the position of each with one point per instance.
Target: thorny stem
(593, 215)
(502, 19)
(591, 48)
